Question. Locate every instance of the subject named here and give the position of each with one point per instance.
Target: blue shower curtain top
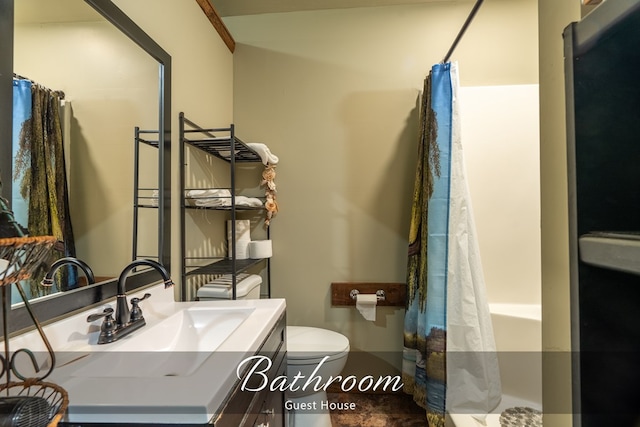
(21, 112)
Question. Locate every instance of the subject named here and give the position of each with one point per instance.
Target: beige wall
(334, 93)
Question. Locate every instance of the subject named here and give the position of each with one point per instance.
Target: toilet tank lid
(305, 342)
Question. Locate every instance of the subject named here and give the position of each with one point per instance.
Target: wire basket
(30, 402)
(45, 411)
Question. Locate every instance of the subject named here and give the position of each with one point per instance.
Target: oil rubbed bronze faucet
(126, 320)
(48, 278)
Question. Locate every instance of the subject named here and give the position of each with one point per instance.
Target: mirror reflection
(110, 87)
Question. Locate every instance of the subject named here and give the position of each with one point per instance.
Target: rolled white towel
(268, 158)
(248, 201)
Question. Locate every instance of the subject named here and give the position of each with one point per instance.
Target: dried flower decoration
(268, 180)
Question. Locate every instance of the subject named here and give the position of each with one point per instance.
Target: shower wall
(500, 128)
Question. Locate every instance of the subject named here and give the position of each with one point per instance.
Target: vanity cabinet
(264, 408)
(221, 146)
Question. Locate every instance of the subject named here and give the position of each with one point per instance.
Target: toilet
(311, 353)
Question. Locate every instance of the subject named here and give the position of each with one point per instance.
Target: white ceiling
(254, 7)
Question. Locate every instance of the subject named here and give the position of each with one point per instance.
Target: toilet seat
(306, 345)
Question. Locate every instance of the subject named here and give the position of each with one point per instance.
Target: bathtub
(518, 333)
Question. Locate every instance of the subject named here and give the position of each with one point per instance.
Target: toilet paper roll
(242, 249)
(259, 249)
(243, 230)
(366, 305)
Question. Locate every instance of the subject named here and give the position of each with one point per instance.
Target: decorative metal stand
(19, 257)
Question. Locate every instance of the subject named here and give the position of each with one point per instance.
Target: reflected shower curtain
(40, 196)
(21, 113)
(449, 358)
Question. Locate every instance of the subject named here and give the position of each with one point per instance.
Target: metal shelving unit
(142, 197)
(223, 144)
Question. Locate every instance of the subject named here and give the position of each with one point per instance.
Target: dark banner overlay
(614, 392)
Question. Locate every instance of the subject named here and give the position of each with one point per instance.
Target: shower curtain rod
(462, 30)
(19, 77)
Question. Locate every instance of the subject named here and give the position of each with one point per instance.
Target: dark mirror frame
(66, 302)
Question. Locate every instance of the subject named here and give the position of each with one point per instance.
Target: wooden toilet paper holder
(388, 294)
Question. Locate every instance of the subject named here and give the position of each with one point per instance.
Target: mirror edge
(6, 91)
(64, 304)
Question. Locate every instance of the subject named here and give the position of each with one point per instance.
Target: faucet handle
(105, 313)
(108, 327)
(136, 311)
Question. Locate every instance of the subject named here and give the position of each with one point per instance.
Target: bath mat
(521, 417)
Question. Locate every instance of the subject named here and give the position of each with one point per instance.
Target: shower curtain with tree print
(39, 193)
(449, 358)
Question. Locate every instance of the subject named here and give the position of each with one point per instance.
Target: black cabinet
(603, 110)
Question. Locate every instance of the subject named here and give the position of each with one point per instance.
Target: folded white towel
(210, 197)
(265, 154)
(209, 192)
(216, 197)
(240, 201)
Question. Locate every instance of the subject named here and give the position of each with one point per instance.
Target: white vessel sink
(176, 346)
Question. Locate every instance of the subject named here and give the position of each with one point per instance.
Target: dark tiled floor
(376, 410)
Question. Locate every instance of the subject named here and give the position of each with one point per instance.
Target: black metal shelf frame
(152, 139)
(220, 266)
(219, 142)
(225, 145)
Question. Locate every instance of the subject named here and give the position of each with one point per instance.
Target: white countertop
(192, 398)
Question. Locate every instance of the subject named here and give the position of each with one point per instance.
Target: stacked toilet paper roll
(243, 238)
(259, 249)
(366, 305)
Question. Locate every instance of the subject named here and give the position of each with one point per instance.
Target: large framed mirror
(115, 78)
